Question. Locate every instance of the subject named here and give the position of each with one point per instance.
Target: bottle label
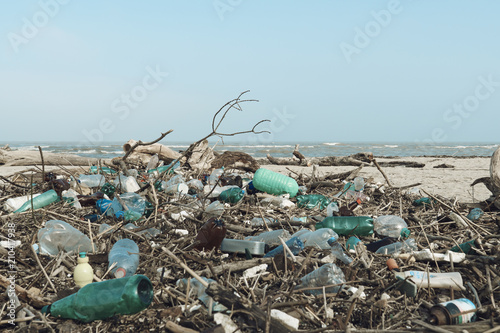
(461, 310)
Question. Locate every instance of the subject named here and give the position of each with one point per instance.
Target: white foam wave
(330, 143)
(391, 146)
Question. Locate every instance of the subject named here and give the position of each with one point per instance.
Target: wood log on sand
(27, 158)
(493, 181)
(164, 153)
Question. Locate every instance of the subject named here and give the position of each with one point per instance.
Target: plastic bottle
(467, 247)
(71, 196)
(271, 238)
(351, 244)
(217, 190)
(311, 201)
(40, 201)
(434, 280)
(455, 312)
(390, 226)
(127, 184)
(407, 245)
(13, 204)
(279, 202)
(374, 246)
(148, 233)
(274, 183)
(216, 208)
(153, 162)
(328, 274)
(134, 202)
(348, 225)
(423, 202)
(109, 207)
(210, 235)
(101, 300)
(196, 185)
(318, 238)
(332, 207)
(200, 291)
(215, 175)
(259, 222)
(83, 274)
(338, 251)
(125, 253)
(232, 195)
(156, 172)
(91, 180)
(359, 183)
(60, 235)
(108, 189)
(294, 244)
(475, 214)
(102, 170)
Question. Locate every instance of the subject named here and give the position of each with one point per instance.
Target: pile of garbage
(170, 248)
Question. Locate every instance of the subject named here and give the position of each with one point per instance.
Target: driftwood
(408, 164)
(492, 182)
(26, 158)
(321, 161)
(201, 156)
(164, 153)
(235, 160)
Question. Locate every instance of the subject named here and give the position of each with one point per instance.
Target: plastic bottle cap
(332, 240)
(405, 232)
(83, 254)
(120, 272)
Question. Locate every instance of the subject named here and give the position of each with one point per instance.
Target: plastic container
(274, 183)
(475, 214)
(216, 208)
(294, 244)
(455, 312)
(125, 253)
(215, 175)
(13, 204)
(102, 170)
(91, 180)
(108, 189)
(467, 247)
(153, 162)
(101, 300)
(318, 238)
(196, 185)
(390, 226)
(279, 202)
(242, 246)
(127, 184)
(232, 195)
(310, 201)
(60, 235)
(134, 202)
(325, 275)
(259, 222)
(408, 245)
(83, 274)
(351, 244)
(332, 207)
(338, 251)
(434, 280)
(374, 246)
(217, 190)
(359, 183)
(210, 235)
(423, 202)
(108, 207)
(40, 201)
(348, 225)
(271, 238)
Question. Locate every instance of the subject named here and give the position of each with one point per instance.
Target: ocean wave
(391, 146)
(330, 143)
(256, 146)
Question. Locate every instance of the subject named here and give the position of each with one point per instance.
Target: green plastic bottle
(108, 189)
(101, 300)
(232, 195)
(465, 247)
(40, 201)
(103, 170)
(348, 225)
(310, 201)
(274, 183)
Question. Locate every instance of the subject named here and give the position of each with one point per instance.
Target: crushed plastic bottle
(338, 251)
(318, 238)
(91, 180)
(407, 245)
(232, 195)
(259, 222)
(271, 238)
(216, 208)
(310, 201)
(101, 300)
(327, 274)
(294, 244)
(200, 291)
(348, 225)
(134, 202)
(60, 235)
(13, 204)
(390, 226)
(125, 253)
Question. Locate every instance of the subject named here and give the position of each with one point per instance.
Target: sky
(324, 71)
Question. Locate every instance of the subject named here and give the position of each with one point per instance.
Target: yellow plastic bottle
(83, 274)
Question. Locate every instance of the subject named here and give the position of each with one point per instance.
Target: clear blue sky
(328, 71)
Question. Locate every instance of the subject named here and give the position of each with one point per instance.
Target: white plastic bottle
(13, 204)
(390, 226)
(83, 274)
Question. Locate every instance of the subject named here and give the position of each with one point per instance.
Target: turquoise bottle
(311, 201)
(101, 300)
(274, 183)
(40, 201)
(348, 225)
(232, 195)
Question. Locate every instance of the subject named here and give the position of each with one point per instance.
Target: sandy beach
(447, 182)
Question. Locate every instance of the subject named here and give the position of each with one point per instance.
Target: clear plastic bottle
(13, 204)
(153, 162)
(216, 208)
(215, 175)
(271, 238)
(326, 275)
(359, 183)
(338, 251)
(318, 238)
(134, 202)
(390, 226)
(40, 201)
(294, 244)
(200, 291)
(408, 245)
(127, 184)
(332, 207)
(259, 222)
(83, 274)
(91, 180)
(217, 191)
(196, 185)
(180, 188)
(274, 183)
(60, 235)
(125, 253)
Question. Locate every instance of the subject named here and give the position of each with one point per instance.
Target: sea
(278, 149)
